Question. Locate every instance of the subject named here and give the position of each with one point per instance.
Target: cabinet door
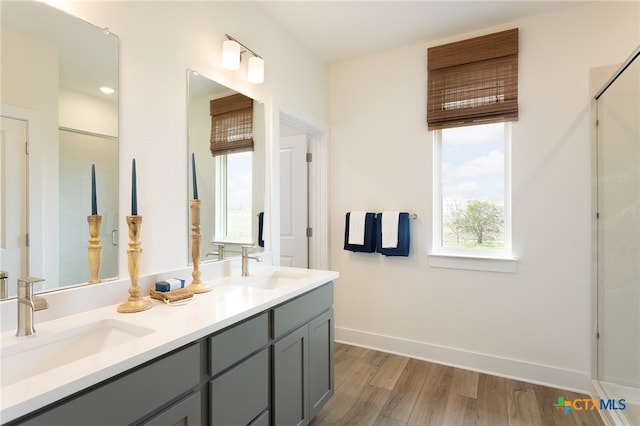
(185, 412)
(321, 380)
(241, 394)
(291, 379)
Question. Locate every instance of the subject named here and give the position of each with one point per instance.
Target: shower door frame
(611, 417)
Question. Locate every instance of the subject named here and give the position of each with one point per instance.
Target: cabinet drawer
(130, 397)
(242, 393)
(237, 342)
(261, 420)
(184, 412)
(296, 312)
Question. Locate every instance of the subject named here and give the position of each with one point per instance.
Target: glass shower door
(618, 144)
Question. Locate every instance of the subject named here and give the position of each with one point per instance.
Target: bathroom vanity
(255, 350)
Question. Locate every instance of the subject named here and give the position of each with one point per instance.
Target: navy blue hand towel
(260, 229)
(404, 239)
(369, 245)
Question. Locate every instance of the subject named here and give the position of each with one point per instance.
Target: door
(618, 159)
(13, 192)
(294, 246)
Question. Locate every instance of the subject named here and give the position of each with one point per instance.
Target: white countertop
(231, 300)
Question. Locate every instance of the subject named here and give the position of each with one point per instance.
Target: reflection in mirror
(78, 152)
(230, 186)
(53, 66)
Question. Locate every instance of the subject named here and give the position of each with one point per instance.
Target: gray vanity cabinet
(274, 368)
(162, 392)
(303, 378)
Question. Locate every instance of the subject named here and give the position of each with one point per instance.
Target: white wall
(159, 41)
(88, 113)
(32, 83)
(534, 324)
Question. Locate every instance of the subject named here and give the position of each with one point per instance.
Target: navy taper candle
(134, 192)
(94, 198)
(193, 170)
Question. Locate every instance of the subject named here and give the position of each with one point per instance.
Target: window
(472, 97)
(472, 197)
(234, 197)
(232, 148)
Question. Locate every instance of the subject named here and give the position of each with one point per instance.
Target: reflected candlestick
(134, 192)
(193, 170)
(94, 199)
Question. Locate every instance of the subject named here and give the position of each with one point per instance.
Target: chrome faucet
(245, 260)
(27, 305)
(219, 253)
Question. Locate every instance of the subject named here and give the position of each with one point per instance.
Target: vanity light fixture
(232, 51)
(256, 70)
(231, 54)
(106, 90)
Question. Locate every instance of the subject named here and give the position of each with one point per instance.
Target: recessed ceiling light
(107, 90)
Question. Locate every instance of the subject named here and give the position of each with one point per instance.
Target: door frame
(317, 136)
(36, 222)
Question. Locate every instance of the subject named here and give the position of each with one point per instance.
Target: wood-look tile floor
(376, 388)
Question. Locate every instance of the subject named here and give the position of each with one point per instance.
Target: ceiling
(341, 30)
(87, 55)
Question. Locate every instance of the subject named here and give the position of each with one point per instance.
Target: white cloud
(472, 135)
(487, 165)
(462, 191)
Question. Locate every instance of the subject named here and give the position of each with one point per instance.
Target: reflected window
(234, 196)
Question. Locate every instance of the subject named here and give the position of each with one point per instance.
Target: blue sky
(239, 178)
(473, 163)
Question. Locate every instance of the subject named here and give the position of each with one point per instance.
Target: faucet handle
(26, 284)
(219, 253)
(29, 280)
(25, 287)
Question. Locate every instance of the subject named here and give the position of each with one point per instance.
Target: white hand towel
(390, 229)
(356, 228)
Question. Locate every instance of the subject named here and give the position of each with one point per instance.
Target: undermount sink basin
(45, 351)
(274, 279)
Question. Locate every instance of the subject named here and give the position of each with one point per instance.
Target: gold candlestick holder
(94, 248)
(196, 285)
(134, 303)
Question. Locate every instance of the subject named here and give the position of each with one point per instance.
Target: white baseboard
(504, 367)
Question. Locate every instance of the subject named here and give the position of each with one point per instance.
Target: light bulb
(231, 55)
(256, 70)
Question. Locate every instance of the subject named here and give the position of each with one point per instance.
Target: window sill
(473, 263)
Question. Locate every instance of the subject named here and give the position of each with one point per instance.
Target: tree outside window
(471, 182)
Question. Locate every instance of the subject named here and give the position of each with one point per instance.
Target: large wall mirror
(53, 67)
(230, 186)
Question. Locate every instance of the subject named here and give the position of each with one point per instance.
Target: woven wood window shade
(231, 124)
(472, 81)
